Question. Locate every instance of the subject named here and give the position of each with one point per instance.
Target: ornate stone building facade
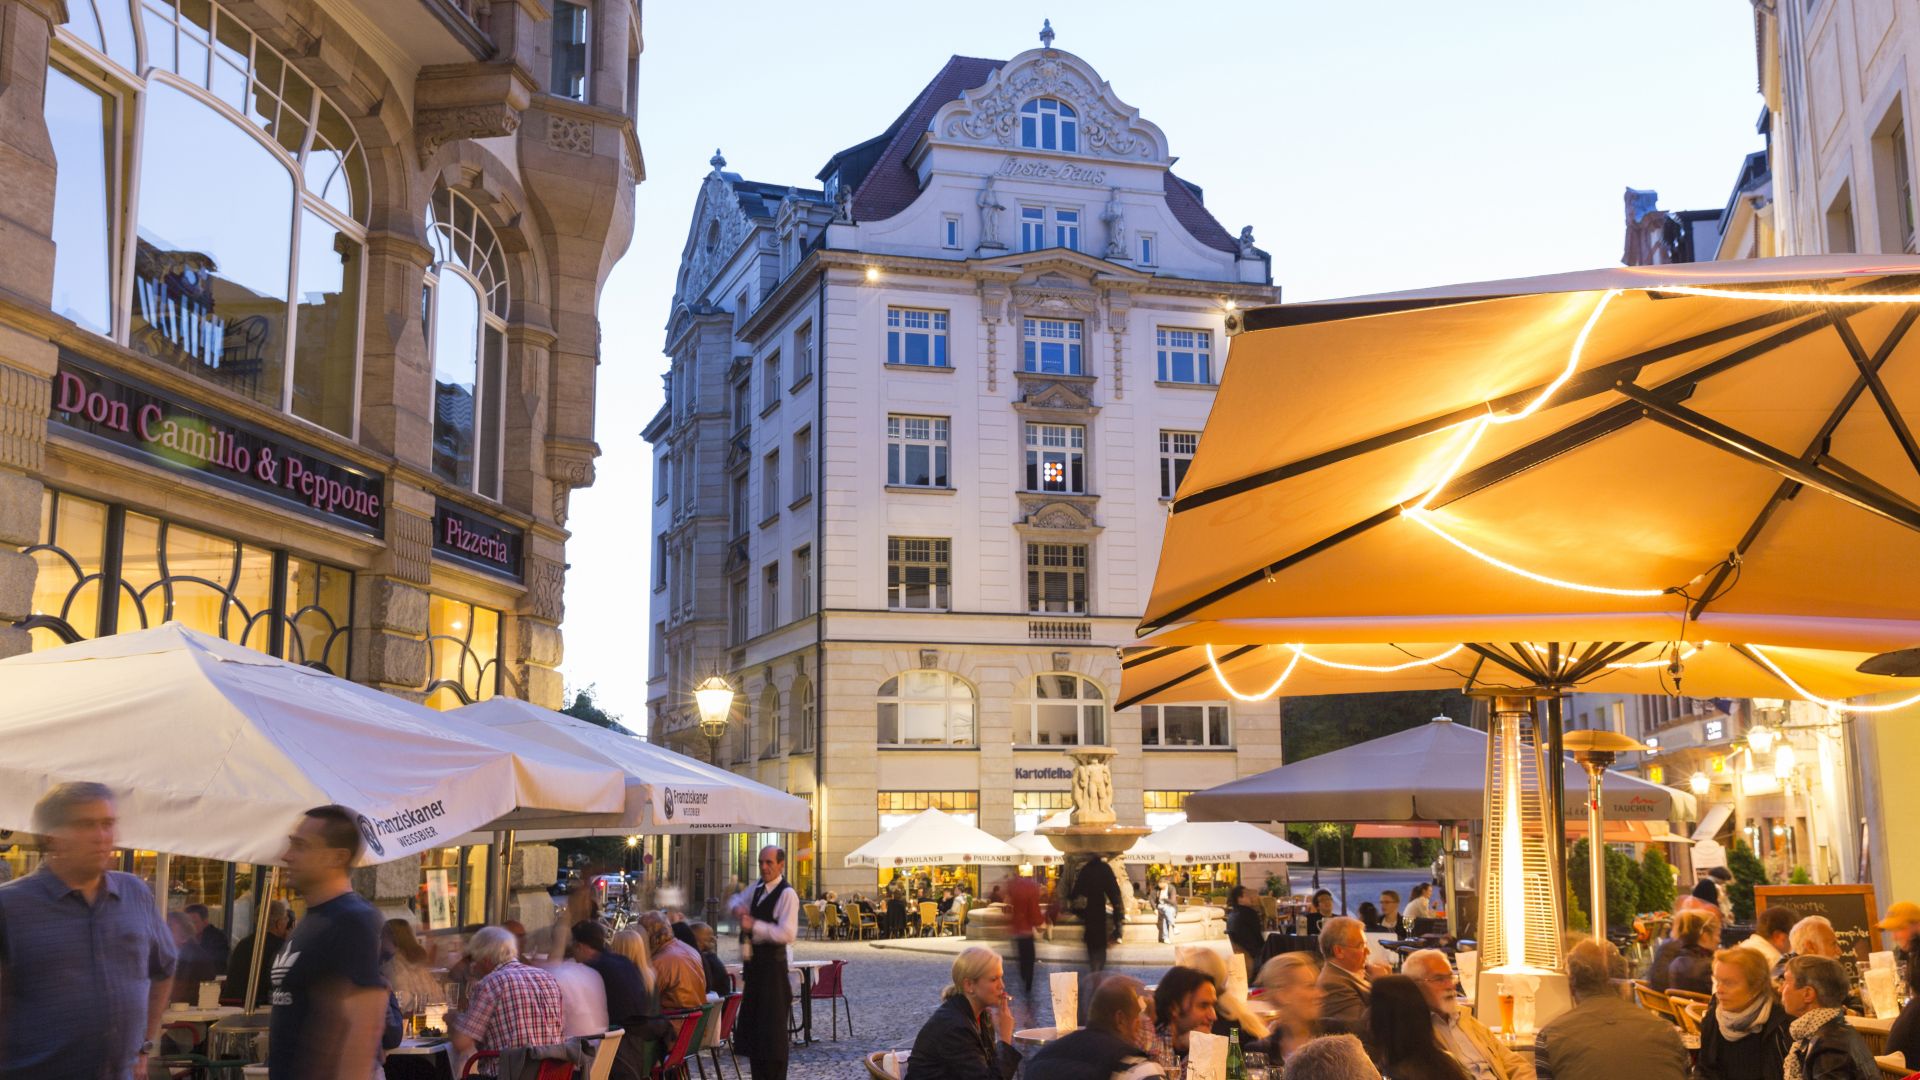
(301, 323)
(921, 426)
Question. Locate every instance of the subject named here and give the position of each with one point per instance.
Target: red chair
(829, 985)
(692, 1025)
(549, 1070)
(730, 1012)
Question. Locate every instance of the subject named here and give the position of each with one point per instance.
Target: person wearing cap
(1903, 918)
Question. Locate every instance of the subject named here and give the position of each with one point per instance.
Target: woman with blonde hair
(970, 1036)
(1231, 1009)
(632, 944)
(1290, 984)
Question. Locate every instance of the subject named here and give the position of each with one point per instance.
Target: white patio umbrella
(1036, 849)
(1192, 842)
(931, 838)
(665, 792)
(215, 750)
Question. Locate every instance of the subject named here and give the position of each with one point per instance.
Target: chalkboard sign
(1850, 908)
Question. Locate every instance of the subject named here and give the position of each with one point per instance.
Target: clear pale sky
(1372, 146)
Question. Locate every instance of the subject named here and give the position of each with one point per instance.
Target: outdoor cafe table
(1034, 1037)
(421, 1059)
(1873, 1031)
(806, 968)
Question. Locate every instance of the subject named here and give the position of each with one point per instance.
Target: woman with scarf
(1744, 1035)
(1824, 1046)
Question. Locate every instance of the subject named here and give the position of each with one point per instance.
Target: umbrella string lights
(1836, 706)
(1300, 653)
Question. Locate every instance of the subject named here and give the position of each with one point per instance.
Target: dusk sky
(1372, 146)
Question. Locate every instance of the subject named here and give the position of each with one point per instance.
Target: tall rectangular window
(657, 659)
(950, 232)
(1057, 458)
(802, 582)
(1186, 725)
(742, 406)
(1057, 579)
(1185, 356)
(1176, 453)
(803, 353)
(82, 121)
(1066, 229)
(770, 381)
(570, 63)
(917, 573)
(737, 503)
(1033, 228)
(916, 337)
(738, 629)
(662, 476)
(659, 563)
(1148, 256)
(1051, 346)
(770, 485)
(917, 451)
(770, 599)
(803, 463)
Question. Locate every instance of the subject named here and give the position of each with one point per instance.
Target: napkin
(1206, 1056)
(1469, 962)
(1237, 976)
(1066, 1000)
(210, 994)
(1878, 982)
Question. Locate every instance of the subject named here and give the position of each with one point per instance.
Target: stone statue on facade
(1246, 242)
(1115, 218)
(990, 210)
(843, 205)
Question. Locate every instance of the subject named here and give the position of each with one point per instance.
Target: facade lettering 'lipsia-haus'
(922, 425)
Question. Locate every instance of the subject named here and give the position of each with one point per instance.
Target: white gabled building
(922, 426)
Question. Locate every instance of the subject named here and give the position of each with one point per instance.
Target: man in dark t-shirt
(329, 999)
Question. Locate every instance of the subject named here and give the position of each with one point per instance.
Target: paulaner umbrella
(931, 838)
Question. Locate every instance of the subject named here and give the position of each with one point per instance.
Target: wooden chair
(834, 920)
(600, 1062)
(1655, 1002)
(875, 1070)
(929, 918)
(868, 926)
(1689, 1013)
(1691, 996)
(1270, 911)
(815, 924)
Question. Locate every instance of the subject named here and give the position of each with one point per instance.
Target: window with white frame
(465, 305)
(802, 463)
(803, 353)
(1033, 228)
(924, 708)
(803, 581)
(916, 337)
(1206, 724)
(770, 598)
(1066, 229)
(917, 573)
(1051, 346)
(1056, 579)
(950, 231)
(1060, 710)
(1176, 453)
(1057, 458)
(1148, 253)
(770, 381)
(1185, 356)
(1049, 124)
(770, 485)
(916, 451)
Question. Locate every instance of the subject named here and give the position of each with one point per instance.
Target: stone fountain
(1093, 832)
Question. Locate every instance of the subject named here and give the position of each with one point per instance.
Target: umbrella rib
(1587, 384)
(1787, 487)
(1870, 371)
(1607, 656)
(1493, 653)
(1262, 573)
(1714, 433)
(1171, 683)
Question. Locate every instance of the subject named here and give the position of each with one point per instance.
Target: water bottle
(1236, 1059)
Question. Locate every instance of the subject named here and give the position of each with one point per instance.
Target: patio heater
(1595, 750)
(1520, 907)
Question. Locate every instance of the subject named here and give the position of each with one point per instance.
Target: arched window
(1049, 124)
(243, 261)
(1061, 710)
(925, 708)
(465, 313)
(800, 707)
(770, 720)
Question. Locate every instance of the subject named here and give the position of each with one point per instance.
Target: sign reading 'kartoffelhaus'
(477, 540)
(130, 417)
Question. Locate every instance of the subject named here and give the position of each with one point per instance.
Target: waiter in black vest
(768, 921)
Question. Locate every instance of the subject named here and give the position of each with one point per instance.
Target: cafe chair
(1684, 1012)
(543, 1069)
(729, 1014)
(829, 985)
(600, 1051)
(815, 925)
(868, 926)
(929, 918)
(692, 1028)
(876, 1070)
(834, 920)
(1683, 997)
(1655, 1002)
(1270, 911)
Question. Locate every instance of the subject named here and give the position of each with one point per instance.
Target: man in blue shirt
(85, 959)
(329, 998)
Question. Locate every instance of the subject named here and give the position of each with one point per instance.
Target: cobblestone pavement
(891, 993)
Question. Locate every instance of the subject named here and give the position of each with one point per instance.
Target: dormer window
(1049, 124)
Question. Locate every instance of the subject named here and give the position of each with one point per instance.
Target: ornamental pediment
(1059, 514)
(1053, 393)
(989, 114)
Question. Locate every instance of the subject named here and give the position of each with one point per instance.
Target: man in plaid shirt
(512, 1005)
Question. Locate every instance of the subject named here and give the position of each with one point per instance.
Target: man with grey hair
(1825, 1046)
(1460, 1033)
(1330, 1057)
(1347, 978)
(1814, 936)
(1604, 1036)
(511, 1006)
(86, 963)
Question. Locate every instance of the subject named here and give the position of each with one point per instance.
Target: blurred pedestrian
(212, 939)
(583, 993)
(85, 960)
(329, 998)
(1096, 892)
(1023, 920)
(193, 966)
(770, 919)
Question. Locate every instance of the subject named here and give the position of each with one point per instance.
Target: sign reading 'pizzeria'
(477, 540)
(126, 415)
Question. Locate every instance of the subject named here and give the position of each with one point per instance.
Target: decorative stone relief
(410, 538)
(719, 228)
(993, 354)
(1109, 127)
(434, 128)
(546, 582)
(1119, 303)
(1044, 392)
(570, 134)
(1055, 295)
(1058, 515)
(569, 466)
(25, 399)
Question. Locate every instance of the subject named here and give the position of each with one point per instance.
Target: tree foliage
(1656, 880)
(1623, 883)
(1311, 726)
(586, 706)
(1747, 871)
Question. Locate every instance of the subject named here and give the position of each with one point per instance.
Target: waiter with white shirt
(769, 919)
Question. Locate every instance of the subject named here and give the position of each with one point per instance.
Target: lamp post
(714, 698)
(1595, 750)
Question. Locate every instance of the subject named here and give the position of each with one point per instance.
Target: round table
(1034, 1037)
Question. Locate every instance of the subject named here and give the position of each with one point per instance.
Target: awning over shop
(1715, 819)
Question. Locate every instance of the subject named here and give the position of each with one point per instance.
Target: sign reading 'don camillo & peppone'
(130, 417)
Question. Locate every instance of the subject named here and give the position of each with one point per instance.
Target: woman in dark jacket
(970, 1036)
(1692, 965)
(1403, 1038)
(1243, 926)
(1905, 1036)
(1744, 1035)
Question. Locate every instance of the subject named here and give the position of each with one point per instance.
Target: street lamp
(1699, 783)
(1783, 761)
(1761, 738)
(714, 698)
(1596, 750)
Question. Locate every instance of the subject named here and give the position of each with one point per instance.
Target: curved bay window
(925, 709)
(464, 308)
(105, 568)
(1061, 710)
(242, 259)
(463, 652)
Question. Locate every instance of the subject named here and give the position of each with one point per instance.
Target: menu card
(1206, 1056)
(1881, 995)
(1237, 976)
(1066, 1000)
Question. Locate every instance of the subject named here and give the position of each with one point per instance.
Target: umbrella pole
(1556, 793)
(262, 903)
(162, 872)
(503, 891)
(1447, 833)
(1343, 873)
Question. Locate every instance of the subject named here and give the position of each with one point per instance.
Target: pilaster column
(396, 377)
(390, 600)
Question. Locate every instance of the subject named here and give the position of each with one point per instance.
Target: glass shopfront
(104, 568)
(463, 648)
